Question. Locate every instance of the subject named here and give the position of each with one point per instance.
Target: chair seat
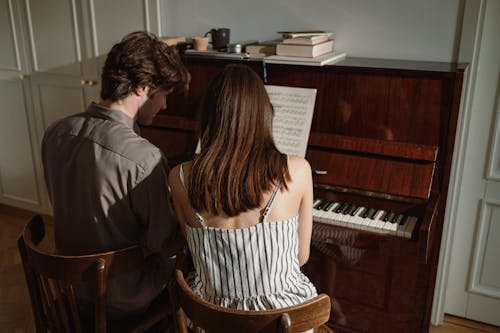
(156, 313)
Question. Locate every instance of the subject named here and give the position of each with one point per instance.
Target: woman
(244, 207)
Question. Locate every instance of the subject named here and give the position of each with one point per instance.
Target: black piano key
(373, 213)
(354, 209)
(346, 209)
(364, 213)
(387, 215)
(398, 218)
(369, 213)
(329, 206)
(318, 204)
(323, 204)
(403, 220)
(390, 218)
(340, 207)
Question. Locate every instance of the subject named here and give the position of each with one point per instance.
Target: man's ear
(142, 90)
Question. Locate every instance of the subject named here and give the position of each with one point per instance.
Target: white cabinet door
(9, 52)
(20, 184)
(56, 97)
(473, 286)
(106, 22)
(54, 36)
(50, 61)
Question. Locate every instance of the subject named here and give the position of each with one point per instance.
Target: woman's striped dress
(254, 268)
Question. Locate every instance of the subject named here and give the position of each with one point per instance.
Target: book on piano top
(303, 33)
(262, 49)
(170, 41)
(216, 54)
(306, 40)
(304, 50)
(325, 59)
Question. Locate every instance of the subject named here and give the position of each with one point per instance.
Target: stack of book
(262, 49)
(170, 41)
(312, 47)
(304, 44)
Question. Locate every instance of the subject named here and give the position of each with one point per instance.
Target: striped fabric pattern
(254, 268)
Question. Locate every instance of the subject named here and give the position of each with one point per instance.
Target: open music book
(293, 111)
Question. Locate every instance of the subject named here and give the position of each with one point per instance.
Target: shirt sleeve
(151, 203)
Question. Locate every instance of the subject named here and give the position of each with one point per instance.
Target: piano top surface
(357, 63)
(401, 65)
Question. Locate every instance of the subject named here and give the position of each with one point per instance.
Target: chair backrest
(212, 318)
(51, 281)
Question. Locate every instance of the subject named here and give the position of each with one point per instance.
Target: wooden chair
(51, 278)
(214, 319)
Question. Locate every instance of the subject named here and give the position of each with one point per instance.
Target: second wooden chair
(51, 279)
(216, 319)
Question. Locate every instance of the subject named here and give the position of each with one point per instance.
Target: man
(106, 183)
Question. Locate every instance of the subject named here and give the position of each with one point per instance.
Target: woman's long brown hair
(238, 161)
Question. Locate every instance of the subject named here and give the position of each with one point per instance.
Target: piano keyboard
(365, 218)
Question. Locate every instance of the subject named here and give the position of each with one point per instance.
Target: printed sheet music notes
(293, 111)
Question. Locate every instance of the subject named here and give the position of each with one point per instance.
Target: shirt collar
(111, 114)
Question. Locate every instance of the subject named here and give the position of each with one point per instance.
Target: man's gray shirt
(108, 188)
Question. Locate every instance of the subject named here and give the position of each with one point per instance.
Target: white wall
(397, 29)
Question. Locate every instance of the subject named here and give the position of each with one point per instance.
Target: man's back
(107, 185)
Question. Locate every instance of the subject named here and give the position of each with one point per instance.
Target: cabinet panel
(9, 54)
(17, 174)
(106, 31)
(54, 36)
(57, 100)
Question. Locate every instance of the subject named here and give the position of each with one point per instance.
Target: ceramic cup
(200, 43)
(219, 37)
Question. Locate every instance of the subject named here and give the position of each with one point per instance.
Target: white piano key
(412, 221)
(326, 217)
(378, 223)
(333, 217)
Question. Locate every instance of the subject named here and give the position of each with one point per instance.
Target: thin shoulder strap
(198, 216)
(270, 202)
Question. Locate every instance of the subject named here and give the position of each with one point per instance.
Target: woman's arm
(302, 175)
(176, 188)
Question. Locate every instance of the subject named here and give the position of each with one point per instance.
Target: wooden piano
(382, 138)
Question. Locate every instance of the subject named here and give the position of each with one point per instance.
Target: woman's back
(247, 262)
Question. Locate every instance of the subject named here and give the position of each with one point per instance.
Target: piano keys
(350, 215)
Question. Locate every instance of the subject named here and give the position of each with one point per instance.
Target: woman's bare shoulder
(298, 166)
(174, 174)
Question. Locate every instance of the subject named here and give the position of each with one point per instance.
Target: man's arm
(151, 203)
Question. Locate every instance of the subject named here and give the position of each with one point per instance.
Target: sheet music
(293, 111)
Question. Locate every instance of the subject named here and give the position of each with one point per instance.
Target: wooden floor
(15, 308)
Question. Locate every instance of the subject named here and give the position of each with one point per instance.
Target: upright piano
(380, 146)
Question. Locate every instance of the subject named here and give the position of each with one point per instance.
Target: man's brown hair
(238, 161)
(141, 59)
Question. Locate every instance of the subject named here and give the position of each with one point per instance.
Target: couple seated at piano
(244, 207)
